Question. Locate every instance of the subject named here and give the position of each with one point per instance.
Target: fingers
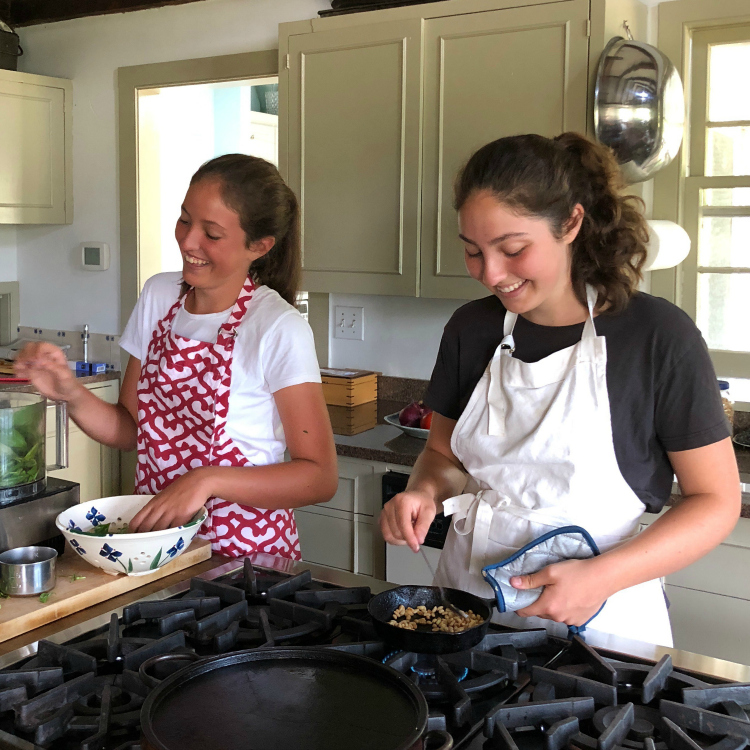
(406, 518)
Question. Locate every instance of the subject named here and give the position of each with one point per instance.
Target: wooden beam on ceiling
(30, 12)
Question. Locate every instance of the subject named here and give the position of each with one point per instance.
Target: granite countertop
(102, 377)
(389, 445)
(383, 442)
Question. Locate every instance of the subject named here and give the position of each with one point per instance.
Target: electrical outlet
(349, 323)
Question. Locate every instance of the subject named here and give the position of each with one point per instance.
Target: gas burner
(516, 690)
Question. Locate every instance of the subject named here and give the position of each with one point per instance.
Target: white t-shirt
(274, 350)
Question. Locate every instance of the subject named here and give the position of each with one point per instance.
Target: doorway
(178, 129)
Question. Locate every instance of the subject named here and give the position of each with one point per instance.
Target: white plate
(416, 432)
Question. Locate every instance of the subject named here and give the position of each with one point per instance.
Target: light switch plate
(349, 323)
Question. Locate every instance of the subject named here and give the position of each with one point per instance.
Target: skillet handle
(438, 734)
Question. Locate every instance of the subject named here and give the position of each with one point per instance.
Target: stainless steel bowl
(27, 570)
(639, 107)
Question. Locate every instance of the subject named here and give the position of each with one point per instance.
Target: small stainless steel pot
(25, 571)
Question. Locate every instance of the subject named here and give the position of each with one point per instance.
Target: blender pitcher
(23, 437)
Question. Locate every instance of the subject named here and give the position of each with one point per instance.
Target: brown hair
(267, 207)
(547, 177)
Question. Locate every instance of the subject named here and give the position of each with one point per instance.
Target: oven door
(402, 566)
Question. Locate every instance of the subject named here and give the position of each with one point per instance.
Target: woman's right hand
(45, 365)
(406, 518)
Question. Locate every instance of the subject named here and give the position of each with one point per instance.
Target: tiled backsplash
(102, 347)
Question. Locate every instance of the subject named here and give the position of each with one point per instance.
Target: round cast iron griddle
(284, 699)
(382, 606)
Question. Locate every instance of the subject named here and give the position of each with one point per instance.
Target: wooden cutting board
(19, 614)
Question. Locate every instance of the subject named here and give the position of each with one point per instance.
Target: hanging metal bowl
(639, 107)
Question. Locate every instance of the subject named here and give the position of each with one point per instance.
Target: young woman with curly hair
(564, 403)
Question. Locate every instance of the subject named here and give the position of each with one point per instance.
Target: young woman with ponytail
(564, 403)
(222, 376)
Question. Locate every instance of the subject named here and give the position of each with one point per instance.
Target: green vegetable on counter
(44, 597)
(75, 577)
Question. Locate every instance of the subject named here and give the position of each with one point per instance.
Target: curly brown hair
(267, 207)
(547, 177)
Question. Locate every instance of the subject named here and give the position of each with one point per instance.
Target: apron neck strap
(509, 323)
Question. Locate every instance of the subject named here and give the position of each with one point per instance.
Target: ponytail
(546, 178)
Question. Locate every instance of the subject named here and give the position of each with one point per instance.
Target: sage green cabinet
(36, 184)
(377, 118)
(489, 75)
(353, 134)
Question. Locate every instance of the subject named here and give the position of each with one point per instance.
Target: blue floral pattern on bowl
(95, 516)
(77, 547)
(72, 527)
(172, 551)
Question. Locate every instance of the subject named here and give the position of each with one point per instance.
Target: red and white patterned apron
(183, 402)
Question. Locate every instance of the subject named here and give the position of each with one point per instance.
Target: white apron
(536, 441)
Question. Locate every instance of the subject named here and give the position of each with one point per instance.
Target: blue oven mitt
(565, 543)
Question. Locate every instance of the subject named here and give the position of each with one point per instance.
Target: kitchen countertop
(102, 377)
(388, 444)
(98, 616)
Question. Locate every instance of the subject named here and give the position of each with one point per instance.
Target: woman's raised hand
(45, 365)
(406, 518)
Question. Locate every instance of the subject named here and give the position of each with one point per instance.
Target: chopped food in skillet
(440, 619)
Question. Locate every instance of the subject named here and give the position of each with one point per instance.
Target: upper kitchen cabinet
(379, 110)
(489, 75)
(352, 126)
(36, 184)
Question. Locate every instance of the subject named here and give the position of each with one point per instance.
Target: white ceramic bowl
(416, 432)
(132, 554)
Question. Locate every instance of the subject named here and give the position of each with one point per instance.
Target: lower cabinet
(709, 601)
(344, 532)
(94, 466)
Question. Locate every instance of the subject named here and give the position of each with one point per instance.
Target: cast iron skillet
(287, 699)
(382, 606)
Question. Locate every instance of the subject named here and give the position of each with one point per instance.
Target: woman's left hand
(574, 590)
(176, 504)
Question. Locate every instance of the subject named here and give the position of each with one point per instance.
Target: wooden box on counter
(349, 387)
(351, 420)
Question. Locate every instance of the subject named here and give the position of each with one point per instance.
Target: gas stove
(516, 690)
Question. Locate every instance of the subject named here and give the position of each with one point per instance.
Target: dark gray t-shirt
(662, 387)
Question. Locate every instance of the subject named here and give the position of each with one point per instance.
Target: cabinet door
(489, 75)
(334, 539)
(710, 624)
(32, 151)
(357, 491)
(353, 132)
(84, 460)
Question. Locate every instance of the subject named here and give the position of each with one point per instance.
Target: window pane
(724, 241)
(728, 151)
(722, 310)
(726, 197)
(728, 88)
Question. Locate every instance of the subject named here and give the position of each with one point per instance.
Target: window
(715, 287)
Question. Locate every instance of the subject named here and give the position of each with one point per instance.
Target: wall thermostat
(94, 256)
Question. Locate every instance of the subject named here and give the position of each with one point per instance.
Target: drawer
(721, 571)
(356, 492)
(710, 624)
(338, 540)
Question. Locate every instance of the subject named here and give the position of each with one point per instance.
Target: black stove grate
(516, 690)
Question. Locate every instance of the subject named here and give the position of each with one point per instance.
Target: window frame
(686, 28)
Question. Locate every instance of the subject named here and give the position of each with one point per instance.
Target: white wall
(401, 334)
(8, 254)
(54, 292)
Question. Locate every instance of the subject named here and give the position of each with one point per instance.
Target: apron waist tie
(474, 513)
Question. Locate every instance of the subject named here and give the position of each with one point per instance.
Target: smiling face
(212, 241)
(519, 259)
